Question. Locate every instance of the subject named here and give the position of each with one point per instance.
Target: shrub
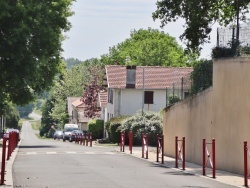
(112, 128)
(173, 99)
(149, 122)
(96, 127)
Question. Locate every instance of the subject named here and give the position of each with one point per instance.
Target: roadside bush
(112, 128)
(173, 99)
(96, 127)
(149, 122)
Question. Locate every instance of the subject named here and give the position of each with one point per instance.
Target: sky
(98, 25)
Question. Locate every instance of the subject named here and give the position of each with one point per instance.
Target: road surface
(47, 163)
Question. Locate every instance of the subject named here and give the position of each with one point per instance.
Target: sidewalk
(190, 168)
(8, 178)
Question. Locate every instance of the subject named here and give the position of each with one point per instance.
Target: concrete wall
(191, 119)
(221, 112)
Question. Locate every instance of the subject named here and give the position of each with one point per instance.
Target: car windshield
(70, 129)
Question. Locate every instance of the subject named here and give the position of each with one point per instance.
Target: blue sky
(98, 25)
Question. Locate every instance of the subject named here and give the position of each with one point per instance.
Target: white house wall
(128, 101)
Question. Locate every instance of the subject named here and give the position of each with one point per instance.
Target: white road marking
(51, 152)
(90, 152)
(31, 153)
(109, 153)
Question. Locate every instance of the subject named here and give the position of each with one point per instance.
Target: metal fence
(179, 90)
(225, 36)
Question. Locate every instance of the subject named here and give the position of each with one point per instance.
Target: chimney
(131, 75)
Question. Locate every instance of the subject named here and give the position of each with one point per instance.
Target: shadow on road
(38, 146)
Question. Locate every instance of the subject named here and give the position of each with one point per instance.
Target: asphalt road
(56, 164)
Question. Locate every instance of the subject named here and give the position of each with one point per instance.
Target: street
(51, 163)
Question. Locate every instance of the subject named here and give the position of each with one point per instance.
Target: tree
(69, 84)
(202, 76)
(200, 16)
(30, 38)
(72, 62)
(46, 120)
(148, 47)
(90, 98)
(24, 111)
(12, 116)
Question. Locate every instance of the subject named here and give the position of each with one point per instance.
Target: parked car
(72, 136)
(67, 132)
(58, 134)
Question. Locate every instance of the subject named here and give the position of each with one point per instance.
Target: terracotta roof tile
(155, 77)
(103, 98)
(77, 103)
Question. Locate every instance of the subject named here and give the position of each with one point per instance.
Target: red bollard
(87, 138)
(9, 146)
(122, 141)
(183, 153)
(160, 148)
(245, 164)
(212, 162)
(204, 158)
(90, 139)
(76, 138)
(176, 152)
(3, 160)
(213, 150)
(180, 152)
(83, 139)
(145, 145)
(130, 141)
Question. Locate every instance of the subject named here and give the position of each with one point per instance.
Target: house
(102, 102)
(70, 107)
(132, 88)
(76, 109)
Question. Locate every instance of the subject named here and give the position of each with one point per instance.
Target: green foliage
(202, 76)
(111, 127)
(150, 123)
(148, 47)
(173, 99)
(24, 111)
(46, 120)
(96, 127)
(199, 16)
(72, 62)
(12, 116)
(30, 37)
(70, 84)
(221, 52)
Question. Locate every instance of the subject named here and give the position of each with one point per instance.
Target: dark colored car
(75, 133)
(67, 133)
(58, 134)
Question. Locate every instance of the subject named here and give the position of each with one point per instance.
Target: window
(148, 97)
(110, 96)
